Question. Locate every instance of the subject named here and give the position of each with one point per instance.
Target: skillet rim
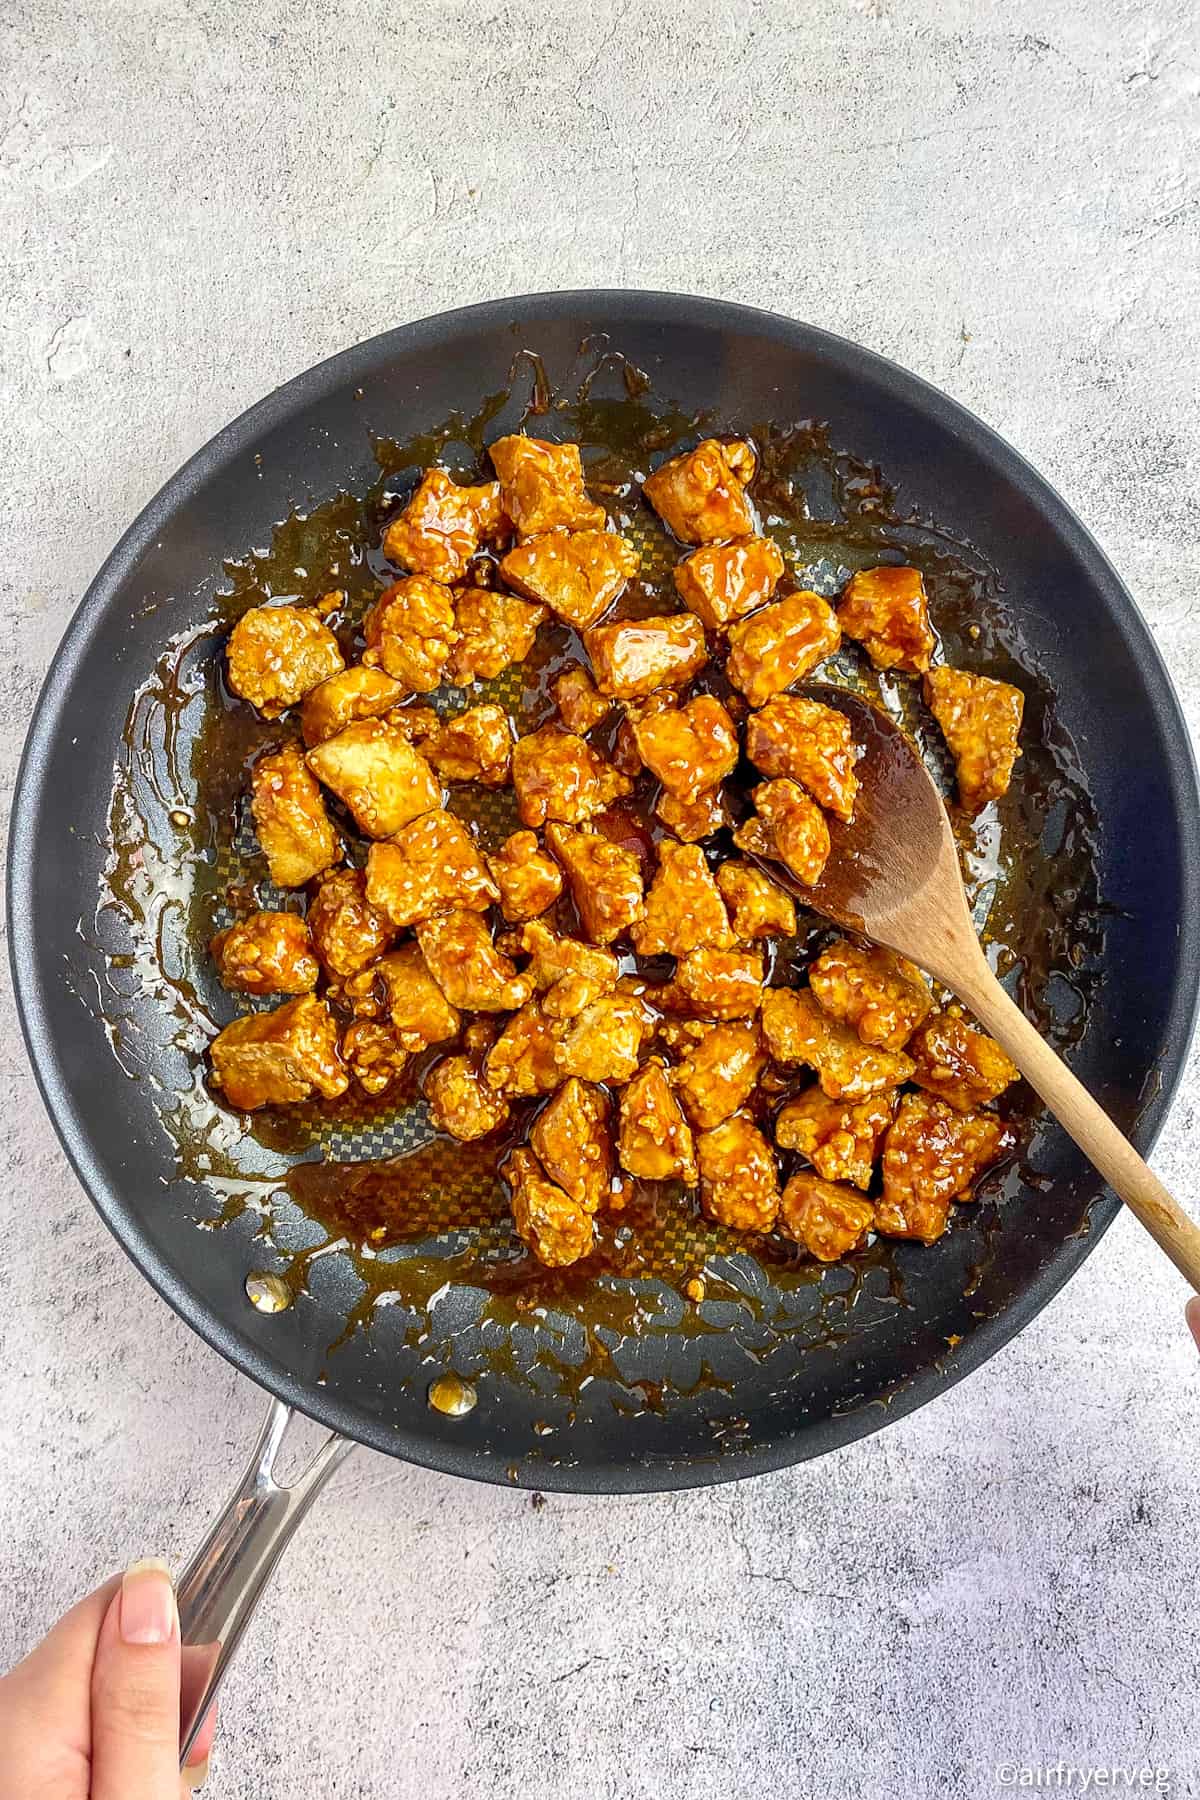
(806, 1439)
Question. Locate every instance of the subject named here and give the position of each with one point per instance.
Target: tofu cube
(808, 743)
(635, 656)
(739, 1180)
(411, 632)
(578, 576)
(541, 486)
(377, 773)
(887, 611)
(981, 722)
(276, 654)
(290, 818)
(428, 867)
(825, 1218)
(781, 644)
(494, 631)
(442, 526)
(701, 495)
(689, 748)
(268, 953)
(557, 775)
(724, 582)
(279, 1058)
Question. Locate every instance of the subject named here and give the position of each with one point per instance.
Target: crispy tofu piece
(460, 1100)
(467, 966)
(414, 723)
(656, 1142)
(556, 1228)
(351, 694)
(932, 1155)
(625, 752)
(293, 827)
(758, 907)
(541, 486)
(789, 828)
(781, 644)
(580, 707)
(401, 988)
(884, 996)
(567, 974)
(268, 953)
(278, 1058)
(372, 1050)
(684, 908)
(376, 771)
(633, 657)
(958, 1062)
(809, 743)
(275, 654)
(411, 632)
(577, 577)
(739, 1181)
(719, 984)
(428, 867)
(347, 931)
(825, 1218)
(605, 880)
(557, 775)
(689, 748)
(523, 1061)
(442, 526)
(797, 1030)
(475, 745)
(693, 820)
(718, 1072)
(886, 610)
(529, 881)
(701, 495)
(840, 1138)
(723, 582)
(494, 631)
(604, 1041)
(573, 1143)
(981, 722)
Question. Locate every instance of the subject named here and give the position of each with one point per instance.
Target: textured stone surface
(197, 200)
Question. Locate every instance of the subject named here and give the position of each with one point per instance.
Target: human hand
(1192, 1314)
(93, 1712)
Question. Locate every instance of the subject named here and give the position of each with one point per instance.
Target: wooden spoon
(893, 876)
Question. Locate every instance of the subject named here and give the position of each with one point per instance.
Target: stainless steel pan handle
(223, 1583)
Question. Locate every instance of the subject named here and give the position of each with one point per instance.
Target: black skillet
(778, 1401)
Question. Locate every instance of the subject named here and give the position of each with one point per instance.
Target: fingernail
(195, 1775)
(148, 1611)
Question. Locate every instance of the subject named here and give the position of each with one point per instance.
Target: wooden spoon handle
(1088, 1123)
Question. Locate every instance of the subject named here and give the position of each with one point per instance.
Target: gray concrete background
(199, 199)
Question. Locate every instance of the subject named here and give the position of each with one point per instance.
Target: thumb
(135, 1691)
(1192, 1314)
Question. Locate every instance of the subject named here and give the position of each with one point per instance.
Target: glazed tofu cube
(557, 775)
(723, 582)
(758, 907)
(809, 743)
(981, 722)
(410, 632)
(541, 486)
(690, 748)
(635, 656)
(461, 1102)
(523, 1061)
(931, 1156)
(275, 654)
(381, 778)
(781, 644)
(475, 745)
(701, 495)
(279, 1058)
(414, 1002)
(580, 707)
(605, 881)
(414, 723)
(719, 984)
(959, 1063)
(293, 827)
(798, 1031)
(604, 1041)
(442, 526)
(684, 908)
(656, 1142)
(351, 694)
(347, 931)
(554, 1227)
(789, 828)
(567, 974)
(887, 611)
(826, 1219)
(693, 820)
(882, 995)
(577, 577)
(718, 1072)
(268, 953)
(428, 867)
(372, 1051)
(494, 630)
(573, 1142)
(739, 1182)
(465, 963)
(840, 1138)
(528, 879)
